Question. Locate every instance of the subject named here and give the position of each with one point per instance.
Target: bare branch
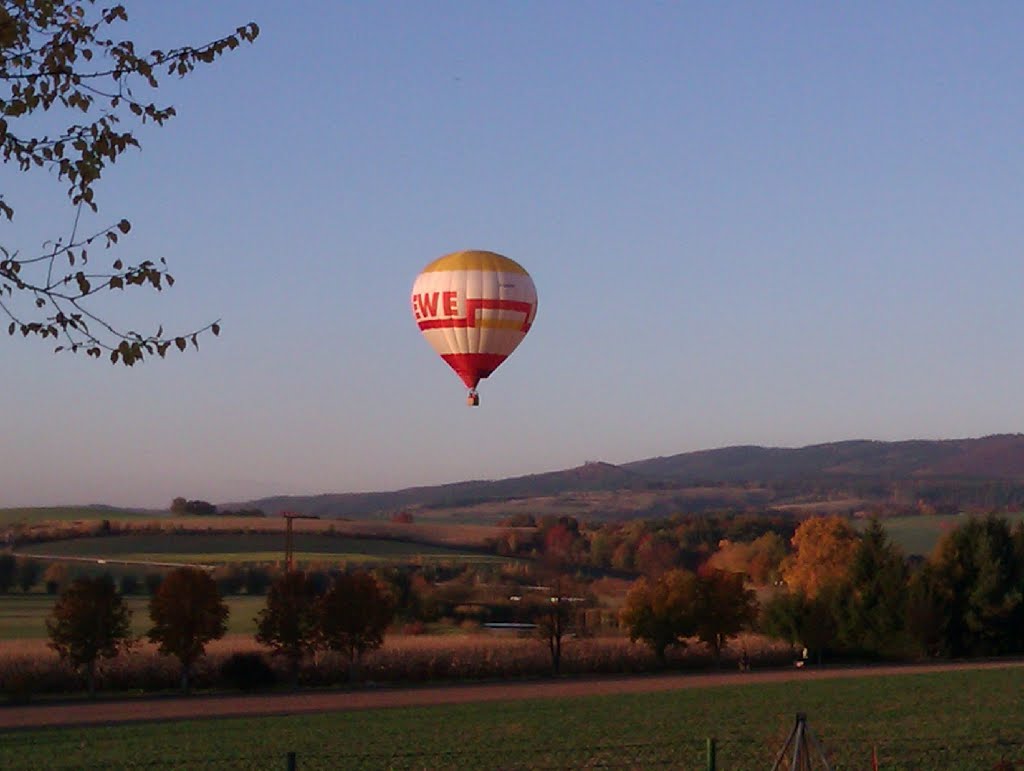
(58, 55)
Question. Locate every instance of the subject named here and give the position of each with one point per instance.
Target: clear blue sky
(748, 223)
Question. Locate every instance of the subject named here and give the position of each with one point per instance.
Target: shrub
(248, 672)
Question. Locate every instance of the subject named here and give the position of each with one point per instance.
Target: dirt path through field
(176, 708)
(108, 561)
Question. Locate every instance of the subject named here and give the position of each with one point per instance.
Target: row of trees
(649, 547)
(350, 617)
(25, 573)
(181, 507)
(847, 593)
(91, 621)
(859, 594)
(834, 591)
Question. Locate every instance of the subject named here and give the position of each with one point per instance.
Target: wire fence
(962, 753)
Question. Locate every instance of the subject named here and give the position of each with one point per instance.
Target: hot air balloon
(474, 308)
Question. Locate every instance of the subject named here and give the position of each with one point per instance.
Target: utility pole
(289, 537)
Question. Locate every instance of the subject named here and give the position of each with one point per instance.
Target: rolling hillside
(992, 457)
(979, 472)
(589, 477)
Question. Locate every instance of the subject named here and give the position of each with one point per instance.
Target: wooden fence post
(711, 753)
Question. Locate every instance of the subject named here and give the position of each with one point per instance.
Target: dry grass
(475, 536)
(29, 668)
(840, 506)
(601, 505)
(441, 534)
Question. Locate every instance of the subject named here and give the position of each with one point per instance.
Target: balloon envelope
(474, 308)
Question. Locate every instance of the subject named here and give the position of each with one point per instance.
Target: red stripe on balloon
(472, 306)
(473, 367)
(459, 324)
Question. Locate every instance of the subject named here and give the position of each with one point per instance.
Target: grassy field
(23, 616)
(76, 522)
(601, 505)
(960, 720)
(67, 514)
(212, 548)
(919, 534)
(370, 541)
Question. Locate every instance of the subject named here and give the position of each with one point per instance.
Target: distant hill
(588, 477)
(992, 457)
(985, 472)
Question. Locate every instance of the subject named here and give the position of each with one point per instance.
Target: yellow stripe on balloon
(499, 323)
(475, 260)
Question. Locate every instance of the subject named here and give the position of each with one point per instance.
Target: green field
(918, 534)
(222, 548)
(23, 616)
(67, 514)
(960, 720)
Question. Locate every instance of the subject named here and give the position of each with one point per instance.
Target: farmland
(217, 548)
(918, 534)
(317, 544)
(67, 514)
(51, 524)
(233, 539)
(602, 505)
(977, 726)
(23, 616)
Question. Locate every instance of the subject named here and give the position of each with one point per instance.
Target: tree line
(91, 621)
(25, 573)
(838, 592)
(860, 595)
(181, 507)
(828, 589)
(646, 546)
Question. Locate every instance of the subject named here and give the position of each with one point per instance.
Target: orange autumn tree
(823, 548)
(759, 560)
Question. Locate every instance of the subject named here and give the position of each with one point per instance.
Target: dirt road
(176, 708)
(108, 560)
